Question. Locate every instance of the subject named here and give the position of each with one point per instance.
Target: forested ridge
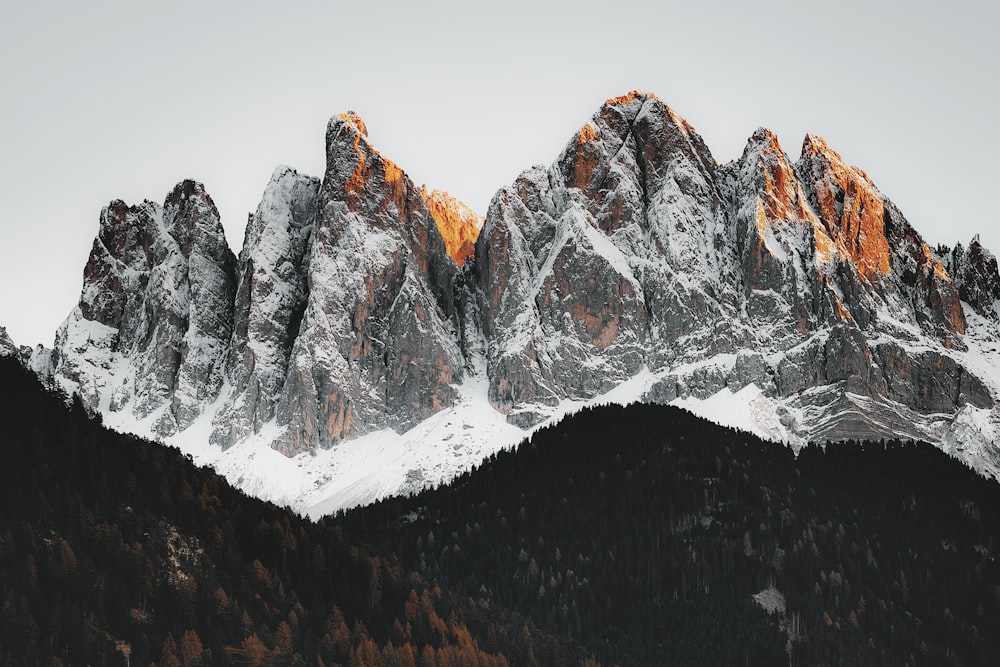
(632, 536)
(644, 533)
(118, 551)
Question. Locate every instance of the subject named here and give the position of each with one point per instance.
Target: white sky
(106, 100)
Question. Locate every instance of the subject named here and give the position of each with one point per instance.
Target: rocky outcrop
(636, 249)
(784, 250)
(849, 206)
(109, 321)
(458, 224)
(117, 271)
(378, 342)
(155, 314)
(271, 294)
(975, 272)
(341, 315)
(188, 308)
(582, 267)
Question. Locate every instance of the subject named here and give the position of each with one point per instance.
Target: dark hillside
(118, 551)
(643, 532)
(635, 535)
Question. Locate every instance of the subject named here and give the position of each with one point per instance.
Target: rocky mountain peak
(781, 195)
(191, 190)
(458, 224)
(191, 218)
(357, 168)
(763, 142)
(974, 269)
(353, 119)
(119, 261)
(849, 206)
(378, 342)
(156, 303)
(585, 163)
(271, 296)
(630, 103)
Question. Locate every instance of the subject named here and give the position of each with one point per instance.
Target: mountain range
(373, 338)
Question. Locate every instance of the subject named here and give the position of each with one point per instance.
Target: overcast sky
(106, 100)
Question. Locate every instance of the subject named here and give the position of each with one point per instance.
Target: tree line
(644, 533)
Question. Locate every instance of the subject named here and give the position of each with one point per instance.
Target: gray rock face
(189, 308)
(155, 313)
(974, 270)
(637, 250)
(109, 319)
(378, 345)
(340, 316)
(582, 268)
(117, 271)
(271, 294)
(38, 360)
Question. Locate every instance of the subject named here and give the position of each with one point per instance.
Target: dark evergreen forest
(644, 533)
(629, 536)
(118, 551)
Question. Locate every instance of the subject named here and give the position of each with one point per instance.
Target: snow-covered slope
(345, 355)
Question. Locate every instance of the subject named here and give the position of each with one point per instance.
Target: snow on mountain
(271, 297)
(378, 345)
(155, 314)
(360, 345)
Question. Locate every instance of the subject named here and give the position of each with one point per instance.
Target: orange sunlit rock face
(585, 157)
(459, 225)
(781, 197)
(939, 270)
(355, 120)
(372, 165)
(850, 208)
(778, 198)
(356, 182)
(627, 97)
(394, 181)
